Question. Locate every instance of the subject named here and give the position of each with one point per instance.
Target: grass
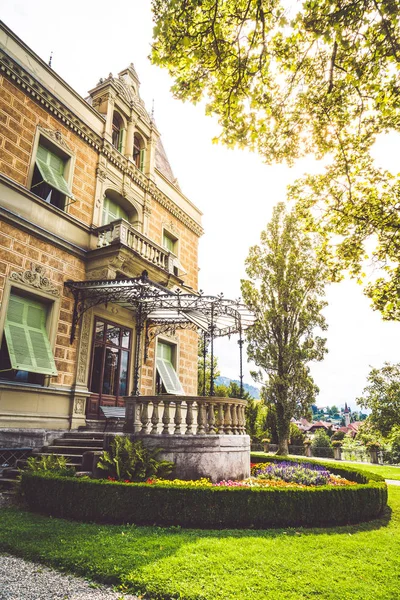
(353, 562)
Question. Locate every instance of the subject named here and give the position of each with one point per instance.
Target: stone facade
(60, 220)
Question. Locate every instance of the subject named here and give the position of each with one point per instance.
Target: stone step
(79, 450)
(7, 483)
(84, 435)
(72, 459)
(81, 442)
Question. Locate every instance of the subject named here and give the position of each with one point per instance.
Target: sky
(233, 188)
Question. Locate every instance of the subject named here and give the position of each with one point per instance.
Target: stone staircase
(71, 445)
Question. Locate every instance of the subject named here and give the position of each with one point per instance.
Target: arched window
(138, 151)
(117, 207)
(118, 132)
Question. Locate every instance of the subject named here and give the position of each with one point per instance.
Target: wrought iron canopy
(155, 304)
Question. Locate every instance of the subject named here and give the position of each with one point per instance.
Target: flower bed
(276, 503)
(282, 474)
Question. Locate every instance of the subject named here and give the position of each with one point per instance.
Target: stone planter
(374, 456)
(307, 451)
(337, 453)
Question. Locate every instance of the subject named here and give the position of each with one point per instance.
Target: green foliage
(204, 371)
(52, 463)
(321, 444)
(127, 460)
(296, 436)
(285, 284)
(382, 397)
(394, 440)
(205, 507)
(170, 563)
(292, 79)
(337, 436)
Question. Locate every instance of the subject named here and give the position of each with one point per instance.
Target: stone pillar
(130, 134)
(337, 453)
(109, 118)
(150, 155)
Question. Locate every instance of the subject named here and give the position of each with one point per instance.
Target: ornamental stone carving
(56, 136)
(83, 349)
(36, 278)
(79, 406)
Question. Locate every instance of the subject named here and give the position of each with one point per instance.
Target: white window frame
(62, 151)
(174, 363)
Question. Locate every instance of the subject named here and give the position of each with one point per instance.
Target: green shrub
(338, 436)
(321, 445)
(127, 460)
(207, 507)
(52, 463)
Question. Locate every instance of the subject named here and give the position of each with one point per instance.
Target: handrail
(120, 231)
(202, 415)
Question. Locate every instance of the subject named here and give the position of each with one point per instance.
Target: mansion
(92, 218)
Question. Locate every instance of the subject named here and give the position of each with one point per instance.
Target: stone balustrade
(185, 415)
(122, 232)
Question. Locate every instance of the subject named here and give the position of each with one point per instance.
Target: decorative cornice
(175, 210)
(36, 278)
(31, 86)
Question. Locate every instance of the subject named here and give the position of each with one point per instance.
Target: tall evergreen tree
(285, 286)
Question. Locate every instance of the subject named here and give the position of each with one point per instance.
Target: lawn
(354, 562)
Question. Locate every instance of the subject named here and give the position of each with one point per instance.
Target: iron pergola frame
(157, 309)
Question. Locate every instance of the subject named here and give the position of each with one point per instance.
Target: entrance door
(109, 375)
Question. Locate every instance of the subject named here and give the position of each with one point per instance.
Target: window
(110, 363)
(49, 175)
(170, 243)
(112, 212)
(167, 381)
(26, 353)
(118, 132)
(138, 152)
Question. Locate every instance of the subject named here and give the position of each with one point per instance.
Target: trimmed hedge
(203, 507)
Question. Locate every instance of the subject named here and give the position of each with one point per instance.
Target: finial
(51, 58)
(152, 111)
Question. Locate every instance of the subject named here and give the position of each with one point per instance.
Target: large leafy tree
(290, 78)
(382, 397)
(284, 288)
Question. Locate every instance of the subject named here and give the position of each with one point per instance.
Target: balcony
(121, 232)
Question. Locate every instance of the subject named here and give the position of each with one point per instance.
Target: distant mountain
(253, 391)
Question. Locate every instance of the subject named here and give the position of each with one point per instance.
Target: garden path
(24, 580)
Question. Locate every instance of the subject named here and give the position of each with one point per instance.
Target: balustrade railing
(122, 232)
(185, 415)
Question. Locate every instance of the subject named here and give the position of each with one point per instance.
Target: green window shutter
(51, 168)
(121, 140)
(112, 212)
(141, 160)
(169, 377)
(27, 341)
(168, 243)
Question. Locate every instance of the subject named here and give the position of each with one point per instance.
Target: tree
(322, 445)
(288, 79)
(284, 288)
(382, 397)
